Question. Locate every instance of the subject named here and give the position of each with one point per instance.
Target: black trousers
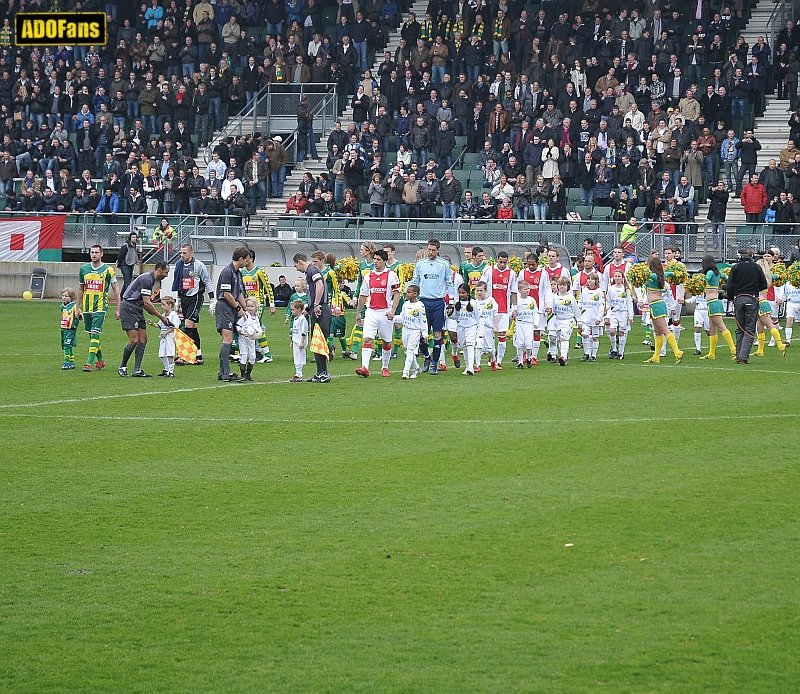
(745, 308)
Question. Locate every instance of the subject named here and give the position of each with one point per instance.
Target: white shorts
(674, 313)
(467, 337)
(488, 339)
(451, 325)
(523, 334)
(562, 329)
(298, 354)
(376, 323)
(701, 319)
(589, 330)
(411, 340)
(166, 346)
(618, 322)
(247, 350)
(503, 321)
(541, 321)
(793, 310)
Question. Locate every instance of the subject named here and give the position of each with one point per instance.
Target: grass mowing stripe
(333, 420)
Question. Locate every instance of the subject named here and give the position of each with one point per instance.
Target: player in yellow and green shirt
(472, 268)
(366, 265)
(95, 279)
(69, 327)
(257, 286)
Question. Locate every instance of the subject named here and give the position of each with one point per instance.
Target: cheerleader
(765, 309)
(674, 295)
(619, 315)
(715, 311)
(658, 312)
(526, 313)
(592, 305)
(467, 318)
(487, 310)
(791, 297)
(565, 315)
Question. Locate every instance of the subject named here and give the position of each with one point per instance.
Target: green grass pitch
(601, 527)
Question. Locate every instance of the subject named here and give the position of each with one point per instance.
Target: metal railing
(274, 110)
(783, 10)
(695, 239)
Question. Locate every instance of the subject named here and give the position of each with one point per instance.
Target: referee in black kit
(319, 311)
(230, 305)
(744, 283)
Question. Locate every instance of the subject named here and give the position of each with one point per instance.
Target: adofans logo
(55, 29)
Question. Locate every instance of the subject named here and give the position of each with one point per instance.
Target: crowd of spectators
(110, 128)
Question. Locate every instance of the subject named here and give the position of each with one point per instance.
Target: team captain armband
(225, 287)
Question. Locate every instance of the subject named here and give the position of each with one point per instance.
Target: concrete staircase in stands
(771, 130)
(276, 206)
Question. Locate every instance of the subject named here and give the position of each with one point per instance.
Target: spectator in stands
(296, 204)
(754, 200)
(276, 158)
(411, 197)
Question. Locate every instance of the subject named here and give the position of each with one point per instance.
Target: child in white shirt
(619, 316)
(526, 314)
(467, 318)
(565, 315)
(249, 329)
(166, 337)
(299, 335)
(415, 330)
(592, 304)
(487, 311)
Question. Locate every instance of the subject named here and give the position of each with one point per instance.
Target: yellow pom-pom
(491, 261)
(695, 285)
(676, 273)
(779, 274)
(348, 268)
(639, 274)
(405, 271)
(793, 274)
(27, 295)
(515, 263)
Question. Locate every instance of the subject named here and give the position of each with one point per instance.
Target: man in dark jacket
(744, 283)
(450, 190)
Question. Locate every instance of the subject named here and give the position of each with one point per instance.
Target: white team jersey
(413, 316)
(501, 292)
(487, 310)
(700, 302)
(299, 329)
(466, 314)
(527, 310)
(791, 294)
(592, 305)
(249, 327)
(565, 307)
(618, 300)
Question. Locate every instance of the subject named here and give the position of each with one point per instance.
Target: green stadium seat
(601, 213)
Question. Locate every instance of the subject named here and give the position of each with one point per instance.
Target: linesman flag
(319, 345)
(185, 348)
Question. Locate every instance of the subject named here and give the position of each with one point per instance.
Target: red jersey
(540, 286)
(556, 272)
(502, 283)
(379, 288)
(612, 268)
(771, 293)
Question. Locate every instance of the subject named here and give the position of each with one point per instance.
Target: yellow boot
(762, 341)
(656, 358)
(776, 335)
(673, 344)
(712, 347)
(726, 335)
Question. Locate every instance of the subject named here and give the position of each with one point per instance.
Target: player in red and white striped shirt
(501, 285)
(380, 291)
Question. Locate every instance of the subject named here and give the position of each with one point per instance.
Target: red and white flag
(32, 238)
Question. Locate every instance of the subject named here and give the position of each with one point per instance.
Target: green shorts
(658, 309)
(93, 322)
(716, 308)
(764, 308)
(338, 326)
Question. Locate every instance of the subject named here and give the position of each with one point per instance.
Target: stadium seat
(601, 213)
(585, 211)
